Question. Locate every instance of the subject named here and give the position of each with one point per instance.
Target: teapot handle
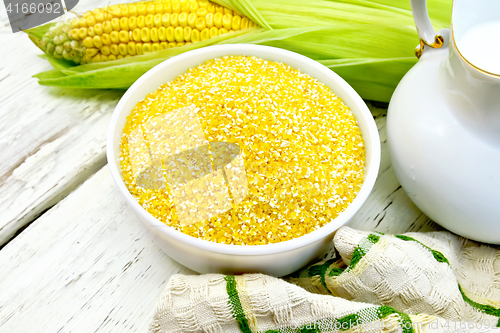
(426, 32)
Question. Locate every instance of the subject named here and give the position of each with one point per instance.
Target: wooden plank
(87, 265)
(52, 139)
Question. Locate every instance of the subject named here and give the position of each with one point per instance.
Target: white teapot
(443, 123)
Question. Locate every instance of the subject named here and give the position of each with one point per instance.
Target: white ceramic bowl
(209, 257)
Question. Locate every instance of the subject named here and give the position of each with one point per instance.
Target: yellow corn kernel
(97, 41)
(155, 47)
(154, 35)
(179, 44)
(209, 20)
(118, 57)
(211, 8)
(115, 24)
(202, 12)
(105, 50)
(174, 20)
(219, 9)
(236, 24)
(132, 22)
(214, 32)
(106, 27)
(244, 22)
(82, 22)
(132, 10)
(193, 6)
(105, 39)
(185, 7)
(170, 34)
(187, 43)
(167, 8)
(179, 34)
(124, 23)
(200, 23)
(104, 57)
(87, 42)
(183, 18)
(85, 59)
(122, 48)
(74, 34)
(141, 9)
(165, 20)
(205, 34)
(131, 48)
(192, 19)
(223, 31)
(159, 8)
(176, 7)
(74, 24)
(90, 52)
(91, 32)
(162, 36)
(98, 29)
(82, 33)
(227, 21)
(138, 48)
(149, 22)
(171, 45)
(157, 20)
(114, 37)
(99, 17)
(150, 9)
(123, 36)
(203, 3)
(145, 35)
(136, 35)
(146, 48)
(111, 57)
(96, 58)
(163, 46)
(187, 34)
(125, 10)
(141, 22)
(116, 11)
(228, 11)
(90, 21)
(195, 35)
(218, 20)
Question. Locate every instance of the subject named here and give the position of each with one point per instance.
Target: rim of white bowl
(373, 163)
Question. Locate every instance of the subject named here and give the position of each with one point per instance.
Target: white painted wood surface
(51, 139)
(87, 265)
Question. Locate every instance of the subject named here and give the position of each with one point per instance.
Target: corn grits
(303, 150)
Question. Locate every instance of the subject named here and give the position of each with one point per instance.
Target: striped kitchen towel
(416, 282)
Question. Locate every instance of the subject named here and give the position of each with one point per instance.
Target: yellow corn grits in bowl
(303, 151)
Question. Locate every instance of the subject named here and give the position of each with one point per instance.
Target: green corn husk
(368, 43)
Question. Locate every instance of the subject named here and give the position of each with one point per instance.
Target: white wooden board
(51, 139)
(87, 265)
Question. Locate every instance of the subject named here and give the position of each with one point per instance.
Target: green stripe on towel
(235, 304)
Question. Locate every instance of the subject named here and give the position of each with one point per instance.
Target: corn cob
(122, 31)
(368, 42)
